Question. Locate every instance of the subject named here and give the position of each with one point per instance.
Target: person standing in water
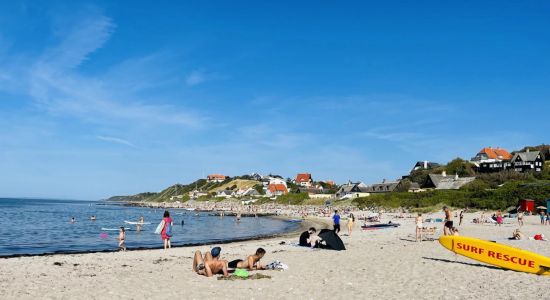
(140, 223)
(166, 232)
(238, 218)
(122, 239)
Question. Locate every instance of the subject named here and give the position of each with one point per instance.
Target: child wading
(122, 239)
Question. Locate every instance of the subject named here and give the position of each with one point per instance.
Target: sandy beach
(383, 264)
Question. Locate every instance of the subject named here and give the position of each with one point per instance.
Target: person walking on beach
(336, 220)
(166, 232)
(520, 218)
(448, 225)
(122, 239)
(499, 217)
(419, 225)
(351, 221)
(461, 216)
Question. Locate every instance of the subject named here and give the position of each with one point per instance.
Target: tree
(460, 167)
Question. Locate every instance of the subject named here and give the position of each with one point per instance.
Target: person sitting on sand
(517, 235)
(211, 264)
(252, 262)
(309, 238)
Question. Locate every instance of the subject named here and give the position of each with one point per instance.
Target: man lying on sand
(210, 264)
(252, 262)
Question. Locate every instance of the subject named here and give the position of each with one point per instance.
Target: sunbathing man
(252, 262)
(211, 264)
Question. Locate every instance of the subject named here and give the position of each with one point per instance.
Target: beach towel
(276, 265)
(253, 276)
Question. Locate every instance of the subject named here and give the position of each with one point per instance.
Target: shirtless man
(252, 262)
(448, 227)
(211, 264)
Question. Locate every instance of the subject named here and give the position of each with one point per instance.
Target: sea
(43, 226)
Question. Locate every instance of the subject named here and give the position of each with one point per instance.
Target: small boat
(380, 226)
(190, 209)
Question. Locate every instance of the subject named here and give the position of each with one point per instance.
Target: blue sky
(111, 97)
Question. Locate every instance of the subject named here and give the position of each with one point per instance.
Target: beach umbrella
(511, 209)
(541, 207)
(331, 240)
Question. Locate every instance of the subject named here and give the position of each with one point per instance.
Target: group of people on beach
(209, 263)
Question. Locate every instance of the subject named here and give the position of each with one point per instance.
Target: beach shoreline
(304, 224)
(381, 264)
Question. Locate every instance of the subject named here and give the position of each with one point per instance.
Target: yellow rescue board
(497, 254)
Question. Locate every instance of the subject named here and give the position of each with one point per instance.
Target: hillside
(236, 185)
(184, 189)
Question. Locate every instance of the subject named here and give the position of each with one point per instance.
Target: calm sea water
(43, 226)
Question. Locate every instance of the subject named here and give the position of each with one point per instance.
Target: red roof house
(216, 177)
(277, 189)
(303, 178)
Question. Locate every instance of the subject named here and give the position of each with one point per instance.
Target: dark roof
(381, 187)
(449, 182)
(526, 156)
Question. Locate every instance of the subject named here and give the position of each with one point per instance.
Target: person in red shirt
(166, 232)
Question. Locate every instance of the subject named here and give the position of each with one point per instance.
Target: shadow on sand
(464, 263)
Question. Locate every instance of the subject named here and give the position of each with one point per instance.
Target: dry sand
(384, 264)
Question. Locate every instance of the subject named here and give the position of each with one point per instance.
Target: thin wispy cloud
(54, 82)
(195, 78)
(115, 140)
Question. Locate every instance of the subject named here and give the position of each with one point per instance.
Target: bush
(292, 198)
(472, 196)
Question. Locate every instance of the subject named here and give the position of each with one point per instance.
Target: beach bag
(159, 227)
(168, 230)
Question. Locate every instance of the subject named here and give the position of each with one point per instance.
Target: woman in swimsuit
(419, 226)
(351, 221)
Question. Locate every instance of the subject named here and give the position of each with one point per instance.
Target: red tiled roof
(303, 177)
(216, 176)
(497, 153)
(330, 182)
(277, 188)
